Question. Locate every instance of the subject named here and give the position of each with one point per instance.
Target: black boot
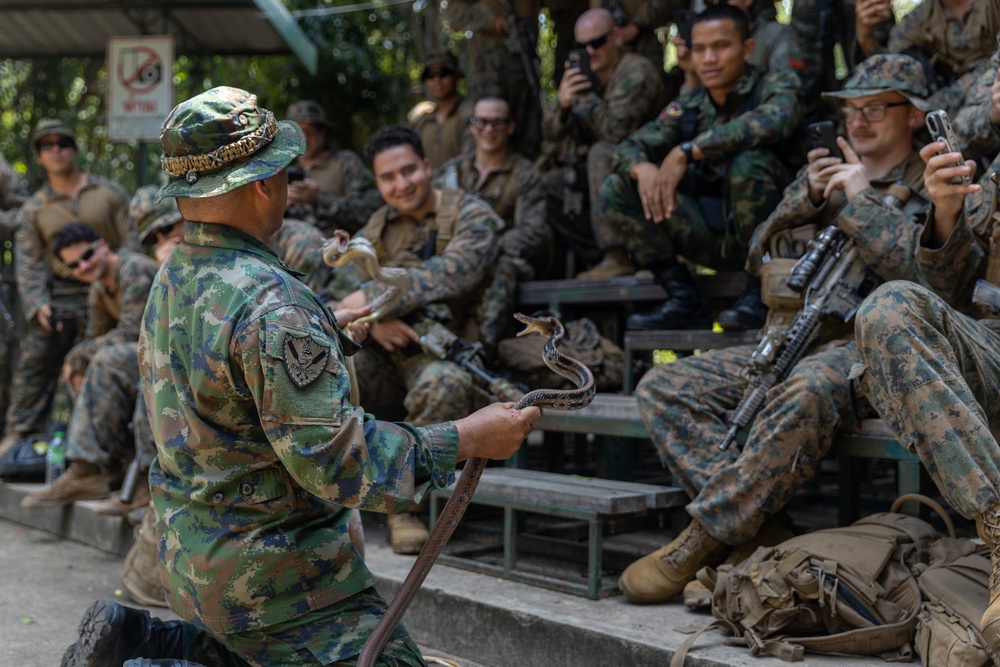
(683, 309)
(748, 312)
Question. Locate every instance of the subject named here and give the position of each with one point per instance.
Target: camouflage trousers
(683, 404)
(40, 364)
(598, 170)
(933, 375)
(429, 390)
(496, 310)
(8, 345)
(108, 409)
(749, 194)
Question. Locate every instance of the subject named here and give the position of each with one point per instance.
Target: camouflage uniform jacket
(977, 136)
(633, 94)
(115, 316)
(514, 191)
(443, 141)
(776, 46)
(101, 204)
(12, 195)
(721, 131)
(962, 45)
(347, 193)
(259, 452)
(462, 255)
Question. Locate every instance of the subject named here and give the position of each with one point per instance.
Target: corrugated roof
(66, 28)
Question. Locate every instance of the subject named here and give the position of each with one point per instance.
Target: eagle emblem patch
(672, 110)
(304, 359)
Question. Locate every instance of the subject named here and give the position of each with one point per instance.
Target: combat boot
(82, 480)
(114, 506)
(748, 312)
(614, 264)
(407, 533)
(988, 526)
(683, 309)
(663, 574)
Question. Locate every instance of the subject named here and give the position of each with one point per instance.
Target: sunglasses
(597, 42)
(87, 255)
(61, 142)
(437, 74)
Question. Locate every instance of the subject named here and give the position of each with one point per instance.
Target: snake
(454, 509)
(340, 249)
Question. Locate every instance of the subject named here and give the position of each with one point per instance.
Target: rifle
(519, 42)
(443, 344)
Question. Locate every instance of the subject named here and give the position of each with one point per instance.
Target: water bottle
(55, 458)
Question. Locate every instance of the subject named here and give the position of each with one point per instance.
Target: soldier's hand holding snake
(494, 432)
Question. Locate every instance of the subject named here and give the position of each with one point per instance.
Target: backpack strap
(890, 642)
(446, 219)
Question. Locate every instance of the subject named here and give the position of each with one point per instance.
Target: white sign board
(140, 86)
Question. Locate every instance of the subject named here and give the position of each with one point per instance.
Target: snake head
(335, 246)
(545, 326)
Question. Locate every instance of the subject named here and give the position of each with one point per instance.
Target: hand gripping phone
(940, 129)
(824, 135)
(580, 59)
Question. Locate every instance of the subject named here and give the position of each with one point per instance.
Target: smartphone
(824, 135)
(940, 129)
(580, 59)
(295, 174)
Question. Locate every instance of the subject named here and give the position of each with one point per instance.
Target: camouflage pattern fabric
(496, 312)
(977, 136)
(300, 247)
(443, 141)
(684, 404)
(347, 193)
(598, 170)
(260, 453)
(149, 214)
(648, 16)
(932, 374)
(13, 194)
(776, 45)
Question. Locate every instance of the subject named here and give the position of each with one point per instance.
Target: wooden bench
(679, 341)
(594, 501)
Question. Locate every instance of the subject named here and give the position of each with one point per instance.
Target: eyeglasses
(61, 142)
(436, 74)
(872, 113)
(482, 123)
(597, 42)
(87, 255)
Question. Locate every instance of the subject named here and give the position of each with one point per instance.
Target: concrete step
(495, 622)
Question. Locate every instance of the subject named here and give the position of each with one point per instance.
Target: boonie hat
(51, 126)
(444, 59)
(884, 73)
(307, 111)
(221, 140)
(150, 214)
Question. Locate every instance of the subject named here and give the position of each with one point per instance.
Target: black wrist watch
(688, 150)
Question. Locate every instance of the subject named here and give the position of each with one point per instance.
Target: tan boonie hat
(306, 111)
(885, 73)
(49, 127)
(443, 59)
(149, 214)
(221, 140)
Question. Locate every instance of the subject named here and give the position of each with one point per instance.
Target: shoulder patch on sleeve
(672, 110)
(304, 359)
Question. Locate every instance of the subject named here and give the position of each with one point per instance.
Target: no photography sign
(140, 86)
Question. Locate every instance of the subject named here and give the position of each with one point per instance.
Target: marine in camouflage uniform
(12, 194)
(592, 119)
(338, 191)
(260, 454)
(730, 171)
(99, 442)
(513, 189)
(44, 283)
(684, 404)
(954, 48)
(442, 122)
(977, 123)
(932, 361)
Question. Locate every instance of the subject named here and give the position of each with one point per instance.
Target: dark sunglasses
(87, 255)
(597, 42)
(438, 74)
(61, 142)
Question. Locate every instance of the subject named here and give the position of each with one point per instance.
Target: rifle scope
(819, 249)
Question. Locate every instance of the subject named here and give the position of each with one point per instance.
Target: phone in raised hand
(940, 129)
(824, 135)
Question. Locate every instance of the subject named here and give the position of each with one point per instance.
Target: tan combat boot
(663, 574)
(988, 526)
(81, 481)
(407, 533)
(697, 595)
(614, 264)
(114, 506)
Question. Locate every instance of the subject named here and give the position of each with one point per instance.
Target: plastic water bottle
(55, 458)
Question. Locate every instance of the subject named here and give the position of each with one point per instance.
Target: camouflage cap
(443, 59)
(51, 126)
(149, 214)
(221, 140)
(307, 111)
(885, 73)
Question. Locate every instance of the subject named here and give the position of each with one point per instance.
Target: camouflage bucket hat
(885, 73)
(306, 111)
(443, 59)
(150, 214)
(48, 127)
(221, 140)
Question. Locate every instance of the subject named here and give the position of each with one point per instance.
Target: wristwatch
(688, 150)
